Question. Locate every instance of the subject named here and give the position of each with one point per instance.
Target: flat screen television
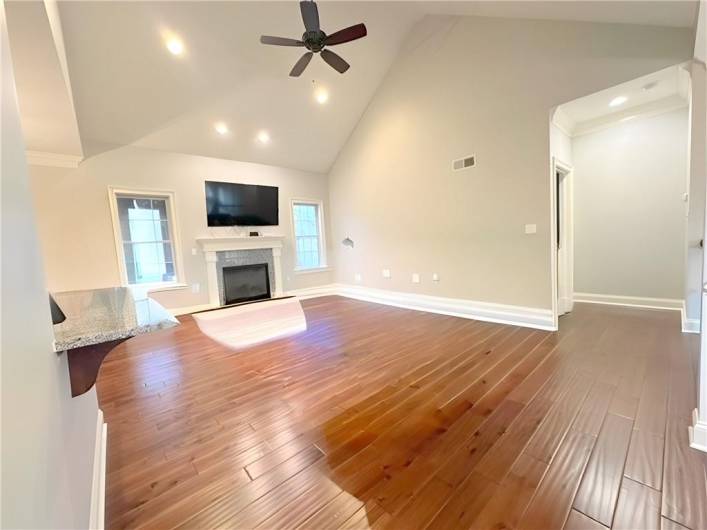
(229, 204)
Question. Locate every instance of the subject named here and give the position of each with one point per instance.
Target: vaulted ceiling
(128, 89)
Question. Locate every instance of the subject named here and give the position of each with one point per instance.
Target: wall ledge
(41, 158)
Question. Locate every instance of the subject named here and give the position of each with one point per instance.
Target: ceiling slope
(130, 90)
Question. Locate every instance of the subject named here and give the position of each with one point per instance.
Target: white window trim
(175, 237)
(323, 263)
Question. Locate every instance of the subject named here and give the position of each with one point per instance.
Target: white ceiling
(664, 89)
(677, 13)
(129, 90)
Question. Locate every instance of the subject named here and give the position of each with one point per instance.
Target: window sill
(156, 287)
(312, 270)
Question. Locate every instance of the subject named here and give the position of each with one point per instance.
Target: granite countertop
(101, 315)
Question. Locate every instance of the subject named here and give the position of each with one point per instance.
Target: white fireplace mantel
(211, 245)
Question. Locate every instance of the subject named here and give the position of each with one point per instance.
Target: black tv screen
(229, 204)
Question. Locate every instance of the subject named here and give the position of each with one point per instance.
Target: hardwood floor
(383, 417)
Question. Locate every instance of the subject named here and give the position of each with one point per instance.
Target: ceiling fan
(315, 40)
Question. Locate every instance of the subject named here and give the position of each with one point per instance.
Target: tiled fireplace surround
(229, 251)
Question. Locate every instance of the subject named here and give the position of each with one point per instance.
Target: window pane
(160, 208)
(147, 248)
(162, 231)
(167, 248)
(306, 221)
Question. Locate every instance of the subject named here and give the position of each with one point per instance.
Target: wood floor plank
(591, 415)
(638, 507)
(552, 502)
(465, 503)
(549, 435)
(511, 499)
(644, 463)
(334, 513)
(667, 524)
(599, 488)
(579, 521)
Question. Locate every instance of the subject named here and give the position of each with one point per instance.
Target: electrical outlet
(193, 252)
(435, 277)
(357, 277)
(195, 287)
(415, 277)
(531, 229)
(386, 273)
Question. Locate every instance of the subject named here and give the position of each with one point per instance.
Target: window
(309, 245)
(145, 237)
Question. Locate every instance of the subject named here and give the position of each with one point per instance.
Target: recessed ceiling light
(620, 100)
(175, 46)
(321, 95)
(263, 137)
(221, 128)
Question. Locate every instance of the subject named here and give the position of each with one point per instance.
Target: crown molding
(647, 110)
(42, 158)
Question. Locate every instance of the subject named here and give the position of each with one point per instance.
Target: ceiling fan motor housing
(314, 40)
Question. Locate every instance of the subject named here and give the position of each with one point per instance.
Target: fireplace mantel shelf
(211, 245)
(222, 244)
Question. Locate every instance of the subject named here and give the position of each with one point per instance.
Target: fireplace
(243, 283)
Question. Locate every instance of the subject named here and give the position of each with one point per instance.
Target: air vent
(464, 163)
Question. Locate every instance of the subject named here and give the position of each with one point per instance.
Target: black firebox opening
(243, 283)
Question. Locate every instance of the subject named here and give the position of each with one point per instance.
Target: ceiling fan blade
(336, 62)
(280, 41)
(310, 15)
(346, 35)
(300, 65)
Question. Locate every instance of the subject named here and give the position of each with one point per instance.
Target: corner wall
(47, 437)
(482, 86)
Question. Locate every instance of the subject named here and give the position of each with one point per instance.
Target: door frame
(562, 258)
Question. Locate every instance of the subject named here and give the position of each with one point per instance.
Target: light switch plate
(415, 277)
(193, 252)
(357, 277)
(435, 277)
(195, 287)
(531, 229)
(386, 273)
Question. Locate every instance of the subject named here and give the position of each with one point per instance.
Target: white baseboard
(176, 311)
(698, 433)
(314, 292)
(98, 485)
(630, 301)
(689, 325)
(530, 317)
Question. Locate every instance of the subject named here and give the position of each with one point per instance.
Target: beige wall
(47, 437)
(483, 86)
(629, 208)
(76, 230)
